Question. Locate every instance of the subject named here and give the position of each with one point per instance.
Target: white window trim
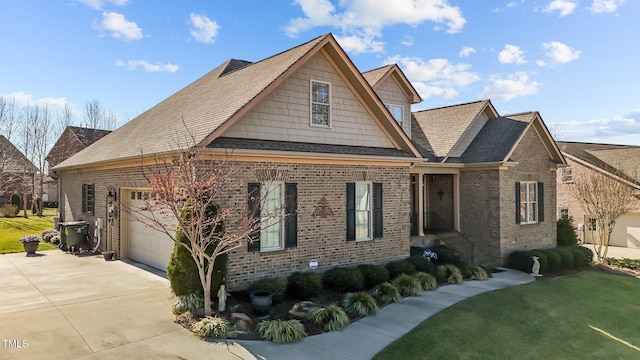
(567, 176)
(388, 106)
(281, 210)
(370, 211)
(311, 81)
(534, 185)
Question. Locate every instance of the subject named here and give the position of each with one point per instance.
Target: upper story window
(397, 111)
(567, 175)
(320, 103)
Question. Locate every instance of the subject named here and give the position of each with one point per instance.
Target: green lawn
(12, 229)
(589, 316)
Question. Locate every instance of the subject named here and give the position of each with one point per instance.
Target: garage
(627, 232)
(146, 245)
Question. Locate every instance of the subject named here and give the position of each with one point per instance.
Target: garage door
(627, 231)
(147, 245)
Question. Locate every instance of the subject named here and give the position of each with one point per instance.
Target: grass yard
(589, 316)
(12, 229)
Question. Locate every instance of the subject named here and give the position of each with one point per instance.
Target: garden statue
(222, 298)
(535, 270)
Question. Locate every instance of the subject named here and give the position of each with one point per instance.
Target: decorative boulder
(301, 310)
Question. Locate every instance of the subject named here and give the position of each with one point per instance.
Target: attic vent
(273, 174)
(364, 175)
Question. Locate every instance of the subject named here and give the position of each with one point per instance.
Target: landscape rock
(301, 310)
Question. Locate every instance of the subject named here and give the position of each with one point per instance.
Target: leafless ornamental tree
(191, 183)
(604, 199)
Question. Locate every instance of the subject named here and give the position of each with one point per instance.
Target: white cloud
(604, 6)
(466, 51)
(511, 55)
(99, 4)
(204, 29)
(119, 26)
(616, 129)
(53, 104)
(435, 76)
(367, 18)
(360, 44)
(407, 41)
(564, 7)
(147, 66)
(560, 53)
(513, 86)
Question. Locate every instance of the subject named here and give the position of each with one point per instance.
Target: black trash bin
(73, 235)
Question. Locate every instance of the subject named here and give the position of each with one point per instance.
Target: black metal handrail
(453, 238)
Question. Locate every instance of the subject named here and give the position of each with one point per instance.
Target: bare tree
(8, 122)
(94, 114)
(42, 126)
(191, 193)
(30, 119)
(604, 199)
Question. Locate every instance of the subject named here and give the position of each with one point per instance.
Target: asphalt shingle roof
(622, 160)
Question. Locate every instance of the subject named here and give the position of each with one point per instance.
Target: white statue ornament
(222, 299)
(535, 270)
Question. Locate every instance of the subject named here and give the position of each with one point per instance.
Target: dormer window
(320, 104)
(397, 111)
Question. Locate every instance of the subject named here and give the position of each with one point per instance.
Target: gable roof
(377, 76)
(536, 123)
(13, 159)
(204, 109)
(444, 127)
(619, 160)
(87, 136)
(495, 141)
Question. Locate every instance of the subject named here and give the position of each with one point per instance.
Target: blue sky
(574, 61)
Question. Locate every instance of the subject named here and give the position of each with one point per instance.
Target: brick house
(620, 162)
(17, 173)
(71, 141)
(340, 143)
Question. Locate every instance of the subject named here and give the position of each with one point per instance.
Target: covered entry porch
(435, 200)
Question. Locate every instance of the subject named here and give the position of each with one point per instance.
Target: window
(529, 202)
(274, 207)
(567, 176)
(88, 198)
(271, 216)
(364, 211)
(320, 104)
(397, 111)
(564, 213)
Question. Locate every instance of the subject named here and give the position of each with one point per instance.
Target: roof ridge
(379, 68)
(594, 143)
(450, 106)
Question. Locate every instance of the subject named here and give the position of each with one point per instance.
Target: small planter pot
(261, 302)
(31, 247)
(108, 255)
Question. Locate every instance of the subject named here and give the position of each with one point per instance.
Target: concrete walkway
(369, 335)
(60, 306)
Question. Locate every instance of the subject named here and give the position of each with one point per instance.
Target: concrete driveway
(60, 306)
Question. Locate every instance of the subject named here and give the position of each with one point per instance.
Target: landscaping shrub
(408, 285)
(449, 274)
(9, 211)
(542, 259)
(520, 260)
(466, 271)
(373, 275)
(583, 256)
(568, 261)
(421, 264)
(386, 293)
(397, 268)
(331, 318)
(360, 303)
(190, 302)
(281, 332)
(304, 285)
(17, 201)
(211, 327)
(48, 234)
(416, 250)
(182, 271)
(446, 255)
(566, 232)
(427, 281)
(343, 279)
(554, 261)
(478, 273)
(277, 287)
(55, 240)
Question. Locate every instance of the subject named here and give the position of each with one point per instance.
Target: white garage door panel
(147, 245)
(627, 231)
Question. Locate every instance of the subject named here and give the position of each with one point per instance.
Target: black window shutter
(377, 210)
(91, 198)
(253, 196)
(84, 198)
(291, 219)
(518, 219)
(351, 211)
(540, 202)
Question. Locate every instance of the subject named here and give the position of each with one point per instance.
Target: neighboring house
(620, 162)
(71, 141)
(340, 143)
(17, 173)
